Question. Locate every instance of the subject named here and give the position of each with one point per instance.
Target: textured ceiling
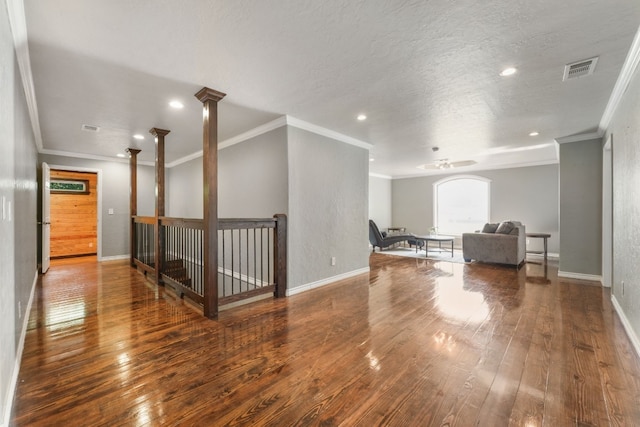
(426, 73)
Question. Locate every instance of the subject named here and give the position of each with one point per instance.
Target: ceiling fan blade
(463, 163)
(447, 165)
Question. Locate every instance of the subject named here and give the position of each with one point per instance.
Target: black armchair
(377, 239)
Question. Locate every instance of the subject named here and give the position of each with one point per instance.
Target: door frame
(607, 213)
(45, 223)
(99, 190)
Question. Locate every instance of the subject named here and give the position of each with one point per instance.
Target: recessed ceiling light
(361, 117)
(534, 133)
(138, 136)
(176, 104)
(372, 159)
(121, 155)
(508, 72)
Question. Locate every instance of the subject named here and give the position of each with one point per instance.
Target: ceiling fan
(446, 164)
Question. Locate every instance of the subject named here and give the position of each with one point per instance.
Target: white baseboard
(16, 367)
(114, 258)
(550, 255)
(580, 276)
(328, 280)
(635, 341)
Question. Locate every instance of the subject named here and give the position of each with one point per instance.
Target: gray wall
(184, 190)
(380, 201)
(528, 194)
(252, 180)
(625, 131)
(328, 203)
(581, 207)
(115, 195)
(18, 189)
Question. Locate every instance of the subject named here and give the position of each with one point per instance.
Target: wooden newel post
(280, 256)
(133, 201)
(210, 99)
(159, 135)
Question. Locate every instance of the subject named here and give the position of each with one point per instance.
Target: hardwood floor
(415, 342)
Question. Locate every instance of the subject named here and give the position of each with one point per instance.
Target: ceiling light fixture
(176, 104)
(534, 133)
(372, 159)
(138, 136)
(361, 117)
(121, 155)
(444, 164)
(508, 72)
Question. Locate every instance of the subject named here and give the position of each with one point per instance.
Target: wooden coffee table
(436, 238)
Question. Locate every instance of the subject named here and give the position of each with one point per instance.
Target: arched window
(461, 204)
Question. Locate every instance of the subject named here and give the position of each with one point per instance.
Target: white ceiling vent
(90, 128)
(579, 69)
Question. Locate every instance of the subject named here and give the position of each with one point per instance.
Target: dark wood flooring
(413, 343)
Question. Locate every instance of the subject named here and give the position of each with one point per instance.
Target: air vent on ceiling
(90, 128)
(579, 69)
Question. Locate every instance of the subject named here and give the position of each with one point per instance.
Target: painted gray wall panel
(25, 215)
(252, 180)
(528, 194)
(18, 228)
(380, 201)
(328, 204)
(147, 190)
(625, 131)
(115, 195)
(581, 207)
(9, 115)
(184, 183)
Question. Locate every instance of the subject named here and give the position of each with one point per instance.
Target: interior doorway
(74, 213)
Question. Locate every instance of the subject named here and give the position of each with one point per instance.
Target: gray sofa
(503, 243)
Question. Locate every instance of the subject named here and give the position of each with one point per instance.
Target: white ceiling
(426, 73)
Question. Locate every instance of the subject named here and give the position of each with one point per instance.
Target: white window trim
(453, 178)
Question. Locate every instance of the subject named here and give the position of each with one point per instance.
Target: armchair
(377, 239)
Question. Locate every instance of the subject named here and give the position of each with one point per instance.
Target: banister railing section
(251, 256)
(143, 236)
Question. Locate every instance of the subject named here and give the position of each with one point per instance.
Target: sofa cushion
(490, 228)
(505, 227)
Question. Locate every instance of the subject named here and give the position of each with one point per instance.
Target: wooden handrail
(193, 223)
(242, 223)
(144, 219)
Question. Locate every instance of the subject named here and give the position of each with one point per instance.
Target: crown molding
(18, 22)
(628, 69)
(257, 131)
(91, 157)
(267, 127)
(275, 124)
(579, 137)
(477, 169)
(379, 175)
(319, 130)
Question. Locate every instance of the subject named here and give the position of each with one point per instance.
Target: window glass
(461, 205)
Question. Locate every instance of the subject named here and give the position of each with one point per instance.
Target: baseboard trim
(635, 341)
(8, 404)
(114, 258)
(550, 255)
(580, 276)
(328, 280)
